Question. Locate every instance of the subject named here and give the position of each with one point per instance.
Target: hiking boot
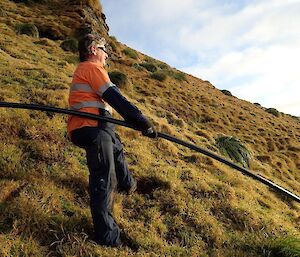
(118, 244)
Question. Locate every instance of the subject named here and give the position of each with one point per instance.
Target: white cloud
(249, 47)
(257, 54)
(269, 76)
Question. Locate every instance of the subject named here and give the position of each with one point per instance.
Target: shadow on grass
(147, 185)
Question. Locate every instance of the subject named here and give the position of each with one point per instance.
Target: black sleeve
(127, 110)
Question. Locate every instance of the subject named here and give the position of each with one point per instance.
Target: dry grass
(186, 204)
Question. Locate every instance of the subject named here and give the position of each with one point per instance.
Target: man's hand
(150, 132)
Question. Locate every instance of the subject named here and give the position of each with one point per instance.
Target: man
(93, 92)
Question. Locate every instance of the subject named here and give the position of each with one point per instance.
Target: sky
(249, 47)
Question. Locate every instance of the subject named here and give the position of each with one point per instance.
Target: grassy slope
(186, 204)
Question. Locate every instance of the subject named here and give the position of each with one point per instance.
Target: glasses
(103, 49)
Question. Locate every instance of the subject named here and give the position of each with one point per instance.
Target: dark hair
(84, 45)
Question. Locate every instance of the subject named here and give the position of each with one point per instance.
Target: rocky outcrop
(74, 19)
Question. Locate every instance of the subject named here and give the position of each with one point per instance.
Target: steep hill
(186, 204)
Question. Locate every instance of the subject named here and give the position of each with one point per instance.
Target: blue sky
(251, 48)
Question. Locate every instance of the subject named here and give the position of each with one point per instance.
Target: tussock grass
(226, 92)
(137, 66)
(180, 76)
(158, 75)
(268, 245)
(119, 79)
(70, 44)
(149, 66)
(288, 246)
(130, 53)
(28, 29)
(186, 204)
(273, 111)
(234, 149)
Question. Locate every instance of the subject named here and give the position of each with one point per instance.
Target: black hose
(247, 172)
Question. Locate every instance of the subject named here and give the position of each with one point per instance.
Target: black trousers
(108, 171)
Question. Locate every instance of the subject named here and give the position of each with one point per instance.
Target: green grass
(226, 92)
(137, 66)
(70, 44)
(273, 111)
(288, 246)
(118, 78)
(149, 66)
(180, 76)
(28, 29)
(130, 53)
(159, 75)
(234, 149)
(271, 246)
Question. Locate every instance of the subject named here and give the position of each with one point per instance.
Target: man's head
(89, 45)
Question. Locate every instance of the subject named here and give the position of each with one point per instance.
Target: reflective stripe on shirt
(81, 87)
(87, 88)
(103, 88)
(85, 104)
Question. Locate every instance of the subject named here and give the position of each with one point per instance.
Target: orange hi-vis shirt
(90, 81)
